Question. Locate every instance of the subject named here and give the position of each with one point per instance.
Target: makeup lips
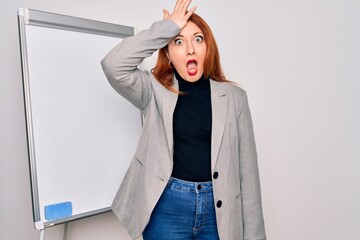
(191, 67)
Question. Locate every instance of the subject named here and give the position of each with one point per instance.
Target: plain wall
(299, 62)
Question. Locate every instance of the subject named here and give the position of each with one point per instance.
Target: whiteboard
(81, 133)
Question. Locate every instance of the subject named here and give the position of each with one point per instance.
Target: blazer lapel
(219, 104)
(219, 100)
(169, 103)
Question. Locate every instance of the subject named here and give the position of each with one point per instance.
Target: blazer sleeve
(120, 65)
(254, 228)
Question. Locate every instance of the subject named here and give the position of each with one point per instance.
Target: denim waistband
(175, 183)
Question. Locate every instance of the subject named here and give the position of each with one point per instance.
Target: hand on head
(180, 14)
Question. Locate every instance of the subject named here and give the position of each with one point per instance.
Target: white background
(85, 134)
(298, 61)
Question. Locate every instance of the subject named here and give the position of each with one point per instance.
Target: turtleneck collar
(186, 84)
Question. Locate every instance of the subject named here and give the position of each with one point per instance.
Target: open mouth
(191, 67)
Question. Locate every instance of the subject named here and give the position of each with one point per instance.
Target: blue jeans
(185, 211)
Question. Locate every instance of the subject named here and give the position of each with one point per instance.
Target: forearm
(120, 65)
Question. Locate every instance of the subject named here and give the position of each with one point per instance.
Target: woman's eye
(178, 41)
(199, 39)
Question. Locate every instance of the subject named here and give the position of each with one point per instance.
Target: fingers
(166, 14)
(180, 15)
(181, 6)
(177, 5)
(190, 12)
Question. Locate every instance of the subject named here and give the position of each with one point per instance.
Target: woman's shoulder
(231, 87)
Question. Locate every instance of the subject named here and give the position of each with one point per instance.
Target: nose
(190, 50)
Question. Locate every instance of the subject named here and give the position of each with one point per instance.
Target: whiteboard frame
(52, 20)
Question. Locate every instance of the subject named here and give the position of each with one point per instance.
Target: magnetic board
(81, 134)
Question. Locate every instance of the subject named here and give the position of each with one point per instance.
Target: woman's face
(187, 52)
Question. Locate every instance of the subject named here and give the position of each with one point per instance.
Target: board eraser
(58, 210)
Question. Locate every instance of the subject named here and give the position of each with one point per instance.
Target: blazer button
(219, 203)
(215, 175)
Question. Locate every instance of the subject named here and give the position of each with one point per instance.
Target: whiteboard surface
(84, 132)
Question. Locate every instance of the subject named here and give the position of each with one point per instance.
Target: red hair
(212, 67)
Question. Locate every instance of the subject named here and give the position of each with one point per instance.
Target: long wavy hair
(212, 67)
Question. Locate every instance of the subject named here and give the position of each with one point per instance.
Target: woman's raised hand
(180, 14)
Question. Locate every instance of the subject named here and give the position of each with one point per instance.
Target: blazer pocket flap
(138, 159)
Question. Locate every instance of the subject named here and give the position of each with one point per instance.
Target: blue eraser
(58, 210)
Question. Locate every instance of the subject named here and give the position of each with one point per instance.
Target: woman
(194, 174)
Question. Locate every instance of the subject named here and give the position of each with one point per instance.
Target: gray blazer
(233, 151)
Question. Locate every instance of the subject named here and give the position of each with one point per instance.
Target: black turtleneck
(192, 131)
